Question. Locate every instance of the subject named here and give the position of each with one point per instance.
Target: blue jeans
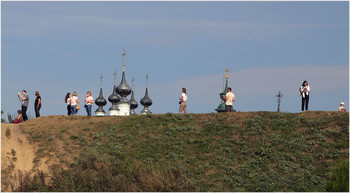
(73, 109)
(88, 109)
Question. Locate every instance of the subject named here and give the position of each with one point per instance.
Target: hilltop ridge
(252, 151)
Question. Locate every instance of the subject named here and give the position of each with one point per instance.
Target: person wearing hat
(342, 108)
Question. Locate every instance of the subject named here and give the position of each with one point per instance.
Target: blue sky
(60, 47)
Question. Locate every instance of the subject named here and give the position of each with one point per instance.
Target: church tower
(100, 102)
(123, 89)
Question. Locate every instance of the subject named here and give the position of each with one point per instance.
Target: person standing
(37, 104)
(182, 102)
(88, 103)
(74, 101)
(25, 101)
(342, 108)
(67, 100)
(304, 92)
(230, 98)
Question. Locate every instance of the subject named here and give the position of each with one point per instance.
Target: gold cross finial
(123, 59)
(226, 73)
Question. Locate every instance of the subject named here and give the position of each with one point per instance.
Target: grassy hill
(254, 151)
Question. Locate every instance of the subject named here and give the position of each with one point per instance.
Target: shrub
(339, 180)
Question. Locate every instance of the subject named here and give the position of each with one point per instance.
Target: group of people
(73, 103)
(230, 98)
(305, 92)
(22, 114)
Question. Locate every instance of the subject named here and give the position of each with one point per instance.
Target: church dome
(100, 101)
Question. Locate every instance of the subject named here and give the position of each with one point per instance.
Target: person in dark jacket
(37, 104)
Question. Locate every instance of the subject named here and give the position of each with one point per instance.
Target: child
(342, 108)
(19, 118)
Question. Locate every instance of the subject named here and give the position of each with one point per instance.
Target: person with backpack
(74, 102)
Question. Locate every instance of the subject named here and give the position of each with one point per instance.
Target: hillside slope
(254, 151)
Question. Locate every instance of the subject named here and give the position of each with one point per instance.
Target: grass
(256, 151)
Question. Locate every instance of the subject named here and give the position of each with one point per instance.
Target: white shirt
(68, 101)
(73, 100)
(302, 88)
(184, 97)
(230, 96)
(88, 100)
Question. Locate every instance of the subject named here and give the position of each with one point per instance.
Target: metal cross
(101, 77)
(123, 59)
(132, 83)
(147, 80)
(279, 96)
(226, 73)
(115, 76)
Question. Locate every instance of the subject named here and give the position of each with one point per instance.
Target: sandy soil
(16, 154)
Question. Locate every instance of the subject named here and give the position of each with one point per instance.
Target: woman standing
(88, 103)
(37, 104)
(304, 92)
(74, 101)
(183, 100)
(67, 100)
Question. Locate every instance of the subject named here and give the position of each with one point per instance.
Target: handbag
(77, 106)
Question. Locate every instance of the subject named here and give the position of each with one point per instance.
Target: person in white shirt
(67, 100)
(88, 103)
(305, 92)
(74, 101)
(230, 98)
(182, 102)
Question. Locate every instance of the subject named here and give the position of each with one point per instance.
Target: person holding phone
(304, 92)
(25, 100)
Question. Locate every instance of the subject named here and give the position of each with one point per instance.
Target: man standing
(25, 101)
(230, 97)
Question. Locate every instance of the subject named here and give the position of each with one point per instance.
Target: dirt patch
(16, 154)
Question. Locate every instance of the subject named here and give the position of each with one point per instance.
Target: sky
(60, 47)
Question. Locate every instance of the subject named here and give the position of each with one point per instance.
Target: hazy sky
(60, 47)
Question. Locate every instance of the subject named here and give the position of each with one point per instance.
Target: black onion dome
(114, 98)
(133, 103)
(100, 101)
(123, 89)
(146, 101)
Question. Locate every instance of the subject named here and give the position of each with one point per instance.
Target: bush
(339, 181)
